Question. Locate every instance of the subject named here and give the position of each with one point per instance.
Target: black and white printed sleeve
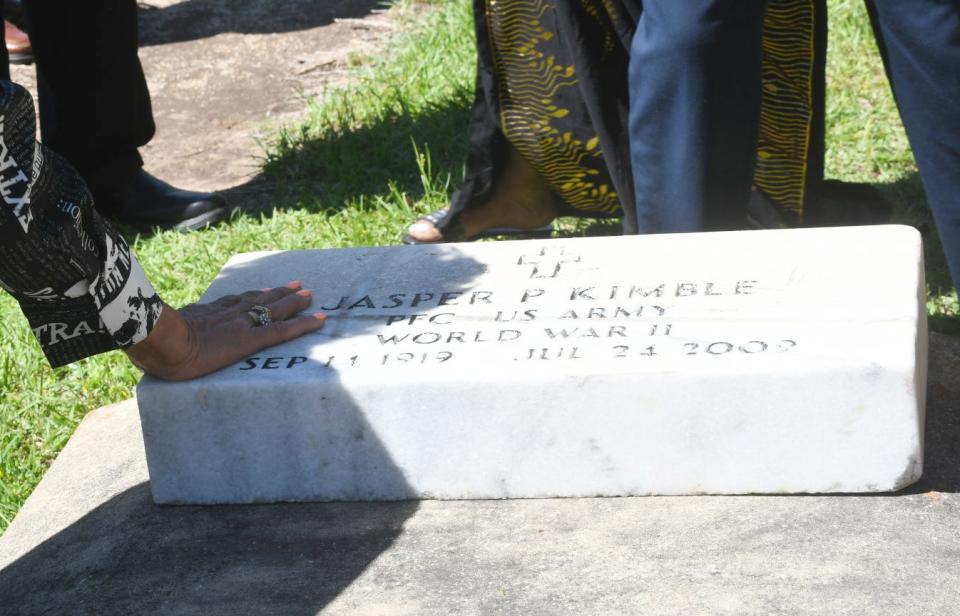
(76, 280)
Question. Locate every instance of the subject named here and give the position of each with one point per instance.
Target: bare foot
(521, 200)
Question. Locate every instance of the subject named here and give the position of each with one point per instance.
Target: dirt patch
(224, 74)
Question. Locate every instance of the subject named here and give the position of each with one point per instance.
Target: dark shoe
(453, 230)
(144, 202)
(18, 44)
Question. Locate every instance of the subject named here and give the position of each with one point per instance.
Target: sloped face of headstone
(748, 362)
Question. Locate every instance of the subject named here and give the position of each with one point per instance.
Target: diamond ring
(261, 315)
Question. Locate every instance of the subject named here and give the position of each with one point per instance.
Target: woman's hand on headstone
(201, 338)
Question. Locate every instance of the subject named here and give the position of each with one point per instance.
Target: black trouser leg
(4, 56)
(94, 103)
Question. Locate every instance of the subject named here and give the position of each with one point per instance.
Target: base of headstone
(726, 363)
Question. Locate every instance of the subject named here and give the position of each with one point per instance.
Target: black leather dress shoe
(144, 202)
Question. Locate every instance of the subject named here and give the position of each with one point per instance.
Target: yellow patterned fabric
(533, 115)
(544, 116)
(787, 110)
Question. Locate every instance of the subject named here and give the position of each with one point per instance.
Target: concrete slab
(89, 541)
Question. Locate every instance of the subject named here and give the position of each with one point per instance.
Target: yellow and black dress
(552, 82)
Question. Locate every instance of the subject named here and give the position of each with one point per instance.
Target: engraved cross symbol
(547, 263)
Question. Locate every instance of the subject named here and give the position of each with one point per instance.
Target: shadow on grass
(335, 170)
(197, 19)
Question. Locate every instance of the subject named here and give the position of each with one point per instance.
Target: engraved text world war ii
(772, 362)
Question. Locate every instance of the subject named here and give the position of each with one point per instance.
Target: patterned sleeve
(76, 280)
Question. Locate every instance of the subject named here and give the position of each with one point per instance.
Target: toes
(424, 231)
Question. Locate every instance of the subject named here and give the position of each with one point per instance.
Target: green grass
(866, 143)
(357, 171)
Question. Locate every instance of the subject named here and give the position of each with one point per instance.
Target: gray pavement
(90, 541)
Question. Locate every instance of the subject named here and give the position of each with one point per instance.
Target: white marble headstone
(725, 363)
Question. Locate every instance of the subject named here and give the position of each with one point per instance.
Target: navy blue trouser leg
(920, 44)
(695, 86)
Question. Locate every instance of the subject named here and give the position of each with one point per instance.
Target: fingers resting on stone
(201, 338)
